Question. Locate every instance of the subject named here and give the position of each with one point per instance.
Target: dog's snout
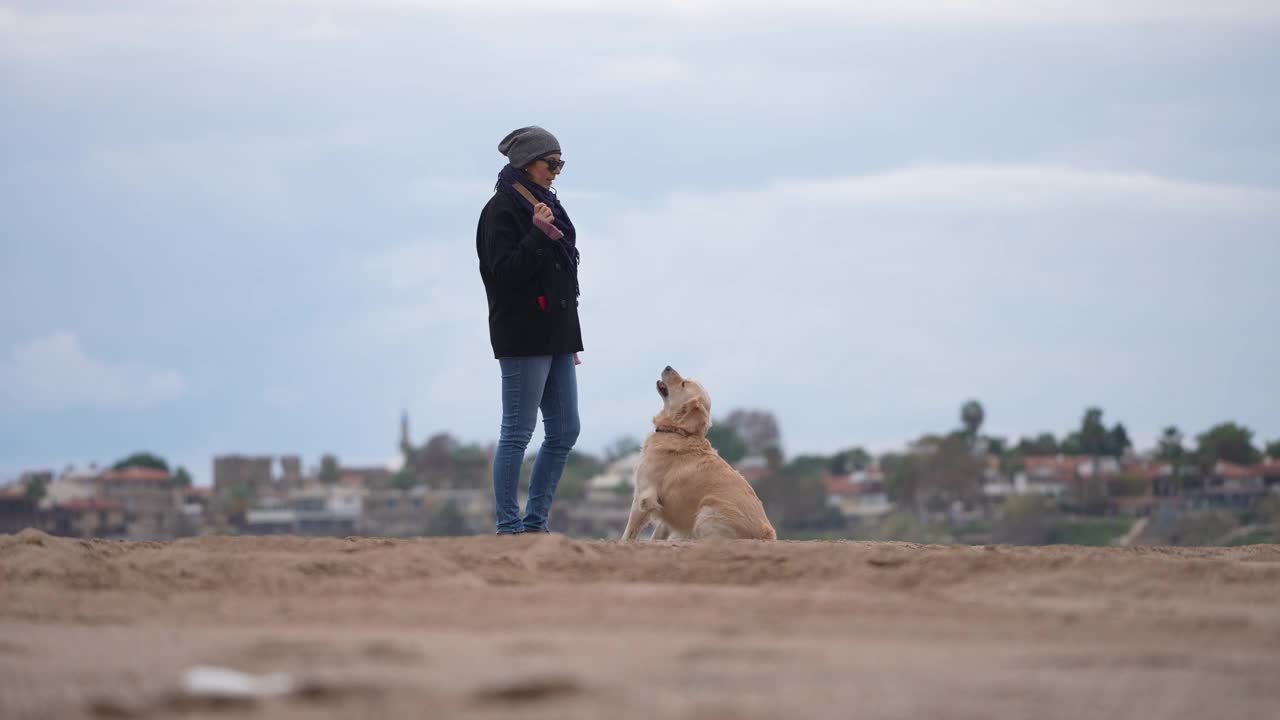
(667, 369)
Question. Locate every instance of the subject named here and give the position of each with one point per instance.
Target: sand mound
(293, 564)
(549, 626)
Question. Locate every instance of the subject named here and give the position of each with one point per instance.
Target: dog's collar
(673, 431)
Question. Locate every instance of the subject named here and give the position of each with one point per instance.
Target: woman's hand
(544, 220)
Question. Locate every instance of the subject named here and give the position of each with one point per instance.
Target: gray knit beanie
(527, 144)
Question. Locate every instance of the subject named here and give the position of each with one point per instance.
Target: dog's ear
(693, 417)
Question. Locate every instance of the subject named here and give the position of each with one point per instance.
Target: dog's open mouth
(662, 388)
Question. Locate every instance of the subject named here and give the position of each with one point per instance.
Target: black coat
(532, 288)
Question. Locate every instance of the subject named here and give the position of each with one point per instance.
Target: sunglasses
(552, 164)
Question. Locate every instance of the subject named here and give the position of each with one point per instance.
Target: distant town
(1088, 487)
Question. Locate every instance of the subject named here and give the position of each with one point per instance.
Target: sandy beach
(551, 627)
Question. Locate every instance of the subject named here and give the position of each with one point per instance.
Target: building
(73, 485)
(197, 510)
(239, 480)
(315, 510)
(371, 478)
(1235, 486)
(753, 468)
(152, 505)
(859, 496)
(462, 511)
(391, 512)
(91, 517)
(606, 504)
(290, 472)
(1047, 476)
(16, 512)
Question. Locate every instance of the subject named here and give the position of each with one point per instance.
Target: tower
(406, 446)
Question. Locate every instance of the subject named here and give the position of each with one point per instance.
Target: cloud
(421, 291)
(256, 174)
(1026, 188)
(34, 30)
(868, 211)
(866, 308)
(440, 192)
(53, 373)
(904, 290)
(891, 10)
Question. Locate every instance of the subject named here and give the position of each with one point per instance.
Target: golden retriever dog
(682, 483)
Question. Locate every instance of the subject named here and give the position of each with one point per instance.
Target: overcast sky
(248, 225)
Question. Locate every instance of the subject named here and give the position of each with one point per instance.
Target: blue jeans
(549, 382)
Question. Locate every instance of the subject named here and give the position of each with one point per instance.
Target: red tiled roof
(1232, 471)
(1270, 468)
(1058, 463)
(840, 485)
(1151, 471)
(136, 474)
(92, 504)
(844, 485)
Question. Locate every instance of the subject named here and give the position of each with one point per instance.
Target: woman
(529, 263)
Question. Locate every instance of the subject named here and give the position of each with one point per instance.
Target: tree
(434, 460)
(1273, 450)
(902, 481)
(1226, 441)
(773, 457)
(404, 479)
(35, 489)
(578, 469)
(1012, 463)
(854, 459)
(938, 472)
(1026, 521)
(1072, 445)
(142, 460)
(1170, 447)
(448, 520)
(1093, 433)
(1042, 444)
(1170, 450)
(951, 472)
(238, 500)
(469, 466)
(725, 439)
(1095, 441)
(807, 465)
(329, 470)
(795, 495)
(1118, 441)
(182, 478)
(972, 415)
(757, 428)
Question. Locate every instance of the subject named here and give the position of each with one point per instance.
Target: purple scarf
(509, 176)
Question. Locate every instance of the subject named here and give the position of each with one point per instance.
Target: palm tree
(35, 490)
(972, 415)
(1095, 443)
(1172, 452)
